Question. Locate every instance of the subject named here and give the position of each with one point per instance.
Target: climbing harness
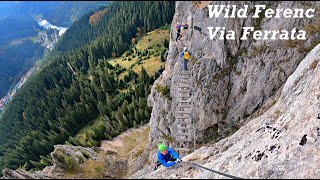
(217, 172)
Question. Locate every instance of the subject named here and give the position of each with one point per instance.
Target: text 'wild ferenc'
(231, 11)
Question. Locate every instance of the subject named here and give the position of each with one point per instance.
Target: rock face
(70, 162)
(281, 143)
(117, 158)
(65, 156)
(233, 81)
(130, 145)
(22, 174)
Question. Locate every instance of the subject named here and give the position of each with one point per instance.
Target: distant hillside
(60, 13)
(15, 61)
(17, 52)
(18, 25)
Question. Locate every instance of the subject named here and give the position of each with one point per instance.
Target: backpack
(185, 26)
(186, 55)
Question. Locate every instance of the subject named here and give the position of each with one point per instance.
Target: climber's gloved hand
(178, 160)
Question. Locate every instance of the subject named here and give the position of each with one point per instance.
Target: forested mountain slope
(113, 29)
(17, 51)
(56, 103)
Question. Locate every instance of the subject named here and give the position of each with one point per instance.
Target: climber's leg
(182, 64)
(185, 64)
(157, 165)
(178, 36)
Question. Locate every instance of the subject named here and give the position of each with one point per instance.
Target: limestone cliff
(239, 83)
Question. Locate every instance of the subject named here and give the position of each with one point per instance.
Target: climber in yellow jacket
(185, 55)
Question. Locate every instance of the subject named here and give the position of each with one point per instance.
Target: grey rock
(22, 174)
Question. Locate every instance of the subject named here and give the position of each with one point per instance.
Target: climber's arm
(165, 163)
(181, 55)
(174, 154)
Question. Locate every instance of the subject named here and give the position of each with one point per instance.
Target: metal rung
(187, 77)
(184, 121)
(184, 106)
(183, 128)
(183, 134)
(184, 103)
(184, 88)
(183, 80)
(183, 96)
(181, 86)
(184, 76)
(184, 84)
(184, 72)
(182, 149)
(183, 131)
(183, 100)
(186, 116)
(183, 112)
(179, 139)
(184, 91)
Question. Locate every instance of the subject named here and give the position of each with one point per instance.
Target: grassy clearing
(156, 37)
(93, 169)
(126, 64)
(153, 42)
(151, 65)
(95, 123)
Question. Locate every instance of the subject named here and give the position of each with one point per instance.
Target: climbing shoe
(318, 116)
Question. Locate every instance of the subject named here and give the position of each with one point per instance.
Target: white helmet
(185, 49)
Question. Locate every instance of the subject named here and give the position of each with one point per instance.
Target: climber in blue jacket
(166, 156)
